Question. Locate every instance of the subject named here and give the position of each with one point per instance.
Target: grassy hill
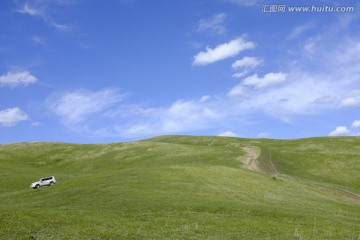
(182, 187)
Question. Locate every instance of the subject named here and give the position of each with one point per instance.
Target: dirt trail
(251, 160)
(252, 153)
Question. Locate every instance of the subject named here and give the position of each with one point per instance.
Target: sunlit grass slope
(334, 160)
(180, 187)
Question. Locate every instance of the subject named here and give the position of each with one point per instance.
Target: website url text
(273, 8)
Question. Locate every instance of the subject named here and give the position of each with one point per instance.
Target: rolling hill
(183, 187)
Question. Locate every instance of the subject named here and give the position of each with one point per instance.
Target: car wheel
(51, 183)
(37, 186)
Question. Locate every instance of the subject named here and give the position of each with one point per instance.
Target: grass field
(183, 187)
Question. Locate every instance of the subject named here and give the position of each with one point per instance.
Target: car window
(45, 179)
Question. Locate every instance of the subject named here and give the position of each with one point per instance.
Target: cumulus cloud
(11, 116)
(105, 113)
(310, 84)
(268, 80)
(285, 100)
(238, 90)
(351, 101)
(180, 116)
(183, 115)
(247, 62)
(340, 131)
(213, 24)
(345, 131)
(16, 78)
(222, 51)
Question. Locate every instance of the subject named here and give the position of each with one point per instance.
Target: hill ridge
(182, 187)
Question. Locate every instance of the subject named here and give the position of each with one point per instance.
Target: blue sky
(91, 71)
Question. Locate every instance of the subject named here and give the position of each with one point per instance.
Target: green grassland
(182, 187)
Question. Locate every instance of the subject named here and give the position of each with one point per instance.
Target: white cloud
(39, 9)
(222, 51)
(238, 90)
(240, 74)
(315, 82)
(187, 115)
(247, 62)
(310, 84)
(299, 30)
(205, 98)
(34, 124)
(345, 131)
(27, 9)
(268, 80)
(293, 97)
(228, 134)
(11, 116)
(180, 116)
(244, 2)
(351, 101)
(14, 79)
(333, 65)
(356, 124)
(213, 24)
(263, 135)
(102, 113)
(38, 40)
(340, 131)
(74, 107)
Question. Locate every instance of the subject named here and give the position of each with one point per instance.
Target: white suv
(48, 181)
